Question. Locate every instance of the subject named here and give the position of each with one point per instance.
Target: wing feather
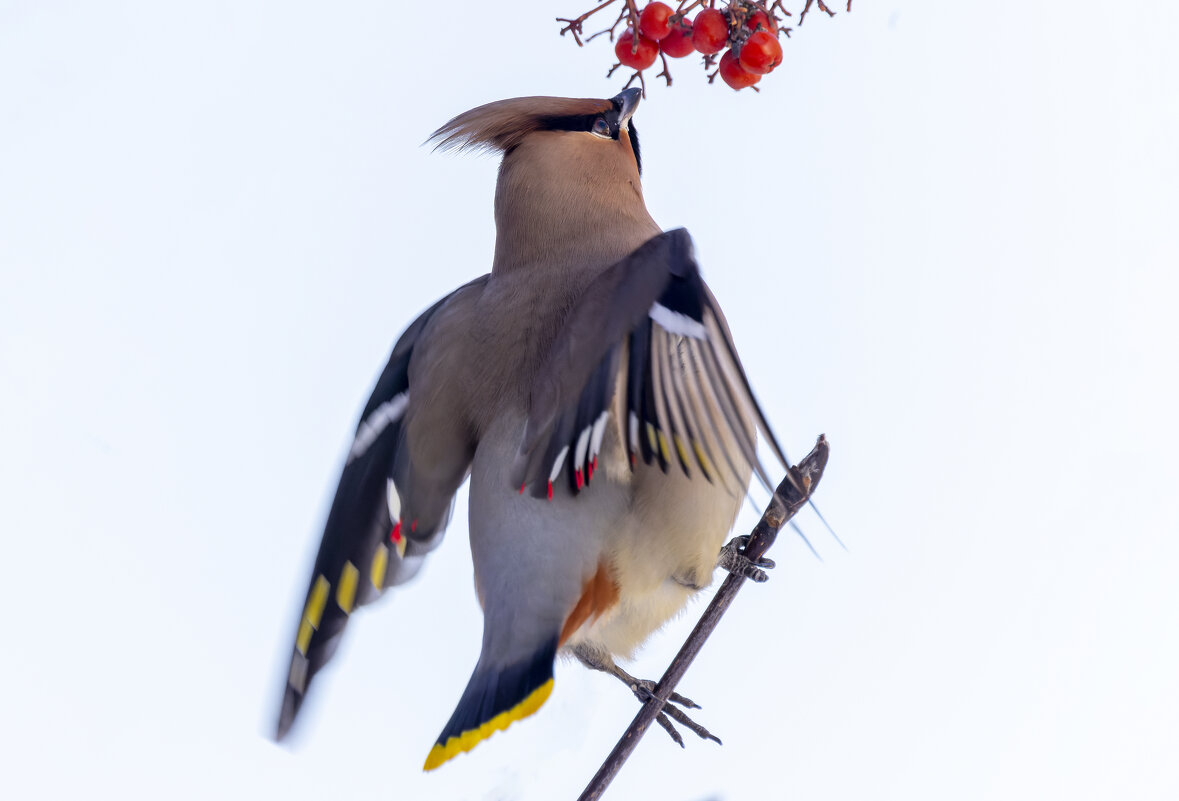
(683, 393)
(717, 426)
(721, 337)
(733, 409)
(365, 546)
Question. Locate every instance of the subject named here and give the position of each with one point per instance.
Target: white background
(944, 235)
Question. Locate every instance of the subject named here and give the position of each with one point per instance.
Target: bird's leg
(733, 559)
(644, 690)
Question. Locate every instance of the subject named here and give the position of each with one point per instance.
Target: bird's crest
(502, 125)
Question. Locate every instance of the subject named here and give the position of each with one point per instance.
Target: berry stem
(684, 7)
(642, 84)
(666, 72)
(611, 29)
(573, 26)
(634, 26)
(822, 7)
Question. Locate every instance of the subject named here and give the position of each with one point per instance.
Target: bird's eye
(601, 128)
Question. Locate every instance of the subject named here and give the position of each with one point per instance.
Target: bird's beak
(627, 101)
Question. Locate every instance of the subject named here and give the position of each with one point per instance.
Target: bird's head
(570, 172)
(598, 129)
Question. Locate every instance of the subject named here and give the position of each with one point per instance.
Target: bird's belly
(626, 626)
(662, 556)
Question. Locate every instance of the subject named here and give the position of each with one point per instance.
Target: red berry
(734, 74)
(678, 43)
(653, 21)
(710, 31)
(759, 21)
(761, 53)
(640, 58)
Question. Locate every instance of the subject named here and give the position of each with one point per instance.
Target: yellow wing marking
(312, 613)
(663, 447)
(681, 450)
(380, 563)
(702, 458)
(346, 592)
(469, 739)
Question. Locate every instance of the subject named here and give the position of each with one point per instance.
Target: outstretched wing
(388, 513)
(650, 328)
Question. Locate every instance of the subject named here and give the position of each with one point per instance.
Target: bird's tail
(495, 698)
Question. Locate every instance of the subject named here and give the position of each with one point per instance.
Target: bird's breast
(661, 554)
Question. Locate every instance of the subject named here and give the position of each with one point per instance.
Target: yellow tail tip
(444, 752)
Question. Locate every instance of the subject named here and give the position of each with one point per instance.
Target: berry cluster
(740, 39)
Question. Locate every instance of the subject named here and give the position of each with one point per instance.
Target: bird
(589, 388)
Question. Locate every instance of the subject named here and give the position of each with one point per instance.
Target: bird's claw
(733, 559)
(644, 690)
(679, 717)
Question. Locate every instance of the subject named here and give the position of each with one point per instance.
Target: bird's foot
(733, 559)
(644, 690)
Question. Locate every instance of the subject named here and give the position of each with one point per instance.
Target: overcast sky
(944, 235)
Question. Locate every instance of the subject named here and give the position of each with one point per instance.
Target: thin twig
(686, 6)
(610, 30)
(642, 83)
(574, 25)
(794, 491)
(778, 5)
(822, 7)
(666, 70)
(632, 13)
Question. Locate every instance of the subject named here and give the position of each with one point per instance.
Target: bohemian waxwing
(589, 388)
